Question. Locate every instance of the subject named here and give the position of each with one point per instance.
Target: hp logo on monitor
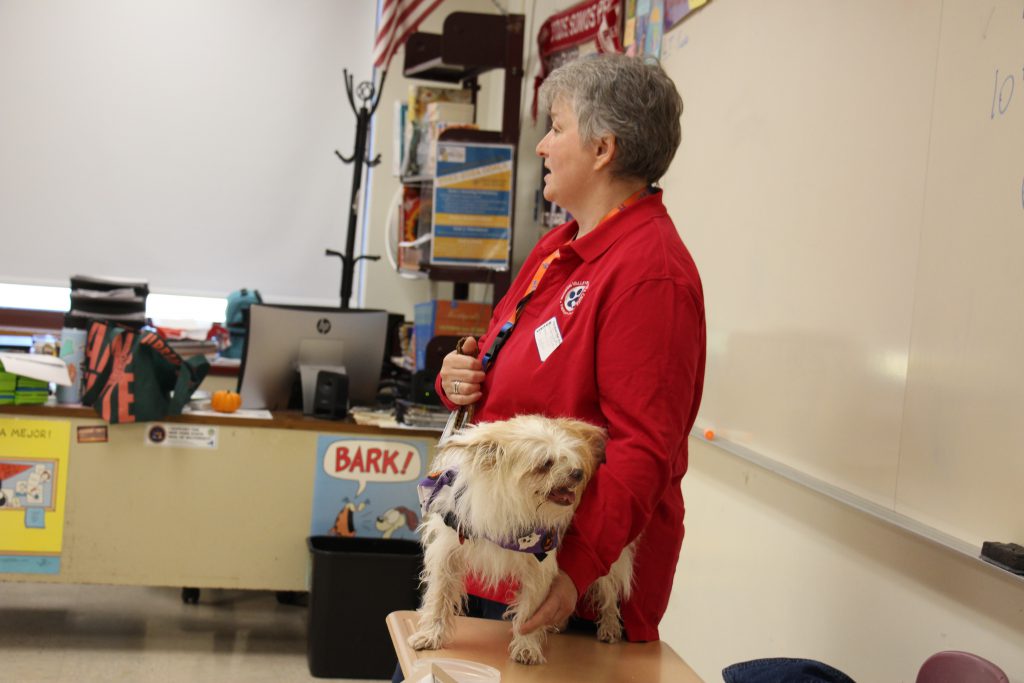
(323, 325)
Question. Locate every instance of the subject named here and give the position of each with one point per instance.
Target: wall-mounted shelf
(470, 45)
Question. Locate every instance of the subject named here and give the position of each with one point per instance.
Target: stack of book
(114, 299)
(30, 391)
(8, 384)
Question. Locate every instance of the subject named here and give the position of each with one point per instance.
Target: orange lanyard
(506, 329)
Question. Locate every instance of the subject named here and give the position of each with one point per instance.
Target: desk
(236, 516)
(571, 656)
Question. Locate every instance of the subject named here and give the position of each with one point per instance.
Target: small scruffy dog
(499, 499)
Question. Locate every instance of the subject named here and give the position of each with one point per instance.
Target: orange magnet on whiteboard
(709, 434)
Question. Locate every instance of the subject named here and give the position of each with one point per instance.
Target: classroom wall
(770, 568)
(827, 130)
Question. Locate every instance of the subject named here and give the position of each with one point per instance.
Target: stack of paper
(36, 366)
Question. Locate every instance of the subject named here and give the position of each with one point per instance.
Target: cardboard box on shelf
(437, 318)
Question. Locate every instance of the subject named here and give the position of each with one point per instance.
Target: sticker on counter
(94, 434)
(181, 436)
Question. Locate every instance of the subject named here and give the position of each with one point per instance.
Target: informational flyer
(472, 205)
(367, 487)
(33, 485)
(676, 10)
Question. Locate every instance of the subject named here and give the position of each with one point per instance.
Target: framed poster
(472, 223)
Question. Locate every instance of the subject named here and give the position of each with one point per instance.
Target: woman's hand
(557, 607)
(462, 374)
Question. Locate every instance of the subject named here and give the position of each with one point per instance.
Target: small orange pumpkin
(226, 401)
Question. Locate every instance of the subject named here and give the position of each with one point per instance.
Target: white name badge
(548, 339)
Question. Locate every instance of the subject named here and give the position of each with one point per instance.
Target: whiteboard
(854, 208)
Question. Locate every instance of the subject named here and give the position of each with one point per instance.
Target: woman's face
(570, 162)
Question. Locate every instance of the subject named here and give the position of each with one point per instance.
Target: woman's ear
(604, 151)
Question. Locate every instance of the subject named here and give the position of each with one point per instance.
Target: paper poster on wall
(367, 487)
(33, 481)
(676, 10)
(472, 205)
(585, 28)
(649, 26)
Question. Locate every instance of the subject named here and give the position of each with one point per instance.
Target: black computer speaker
(330, 397)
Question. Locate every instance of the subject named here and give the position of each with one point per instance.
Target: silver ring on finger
(455, 387)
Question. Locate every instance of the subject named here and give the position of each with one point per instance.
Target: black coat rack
(369, 98)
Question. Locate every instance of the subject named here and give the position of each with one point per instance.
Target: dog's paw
(526, 653)
(609, 633)
(426, 639)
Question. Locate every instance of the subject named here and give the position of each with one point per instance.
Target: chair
(953, 666)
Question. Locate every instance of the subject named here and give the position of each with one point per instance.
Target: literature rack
(472, 44)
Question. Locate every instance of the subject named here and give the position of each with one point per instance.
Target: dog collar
(537, 542)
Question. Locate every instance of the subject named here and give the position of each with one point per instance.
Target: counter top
(285, 419)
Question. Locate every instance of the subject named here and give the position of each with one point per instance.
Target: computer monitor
(279, 338)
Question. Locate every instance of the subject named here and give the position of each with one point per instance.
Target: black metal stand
(369, 98)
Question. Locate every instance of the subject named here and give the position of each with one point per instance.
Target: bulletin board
(851, 184)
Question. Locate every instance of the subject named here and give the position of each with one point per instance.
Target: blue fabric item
(783, 670)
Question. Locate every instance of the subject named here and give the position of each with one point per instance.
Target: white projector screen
(187, 142)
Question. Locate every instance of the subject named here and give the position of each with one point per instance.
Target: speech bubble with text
(365, 460)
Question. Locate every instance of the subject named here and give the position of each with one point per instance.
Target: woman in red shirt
(613, 333)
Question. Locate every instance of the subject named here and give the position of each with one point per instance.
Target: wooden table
(571, 656)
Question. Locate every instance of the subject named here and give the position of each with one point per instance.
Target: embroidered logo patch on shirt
(573, 294)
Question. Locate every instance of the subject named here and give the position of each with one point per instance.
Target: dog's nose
(577, 474)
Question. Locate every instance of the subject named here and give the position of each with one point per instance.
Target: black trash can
(356, 583)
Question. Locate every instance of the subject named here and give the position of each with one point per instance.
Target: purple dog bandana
(538, 542)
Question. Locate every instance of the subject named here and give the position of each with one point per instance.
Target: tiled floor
(80, 634)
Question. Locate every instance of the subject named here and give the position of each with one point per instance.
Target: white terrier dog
(498, 500)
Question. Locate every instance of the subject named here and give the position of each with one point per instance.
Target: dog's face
(529, 465)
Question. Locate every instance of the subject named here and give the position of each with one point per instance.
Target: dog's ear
(485, 454)
(595, 438)
(478, 447)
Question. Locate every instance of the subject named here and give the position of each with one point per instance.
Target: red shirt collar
(592, 245)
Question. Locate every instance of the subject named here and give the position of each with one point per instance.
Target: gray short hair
(631, 98)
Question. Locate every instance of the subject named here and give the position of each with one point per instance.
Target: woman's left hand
(557, 607)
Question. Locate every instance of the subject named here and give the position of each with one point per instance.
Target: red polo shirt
(629, 308)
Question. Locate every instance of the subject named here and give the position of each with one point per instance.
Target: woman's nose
(540, 146)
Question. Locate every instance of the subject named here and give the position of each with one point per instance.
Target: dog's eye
(548, 464)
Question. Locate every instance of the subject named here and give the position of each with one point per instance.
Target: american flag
(398, 20)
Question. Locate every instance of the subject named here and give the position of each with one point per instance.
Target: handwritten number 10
(1002, 94)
